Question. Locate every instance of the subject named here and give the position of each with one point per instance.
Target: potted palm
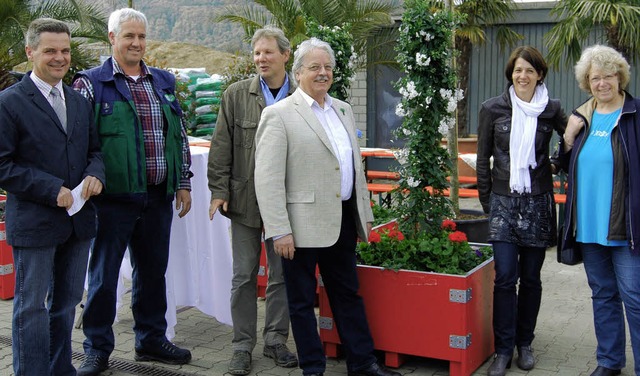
(443, 309)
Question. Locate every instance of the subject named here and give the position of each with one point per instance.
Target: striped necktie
(58, 106)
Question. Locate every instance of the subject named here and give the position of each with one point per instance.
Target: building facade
(375, 99)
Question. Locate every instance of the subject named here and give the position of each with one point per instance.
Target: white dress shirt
(45, 88)
(339, 138)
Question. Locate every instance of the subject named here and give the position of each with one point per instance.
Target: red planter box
(263, 276)
(424, 314)
(7, 274)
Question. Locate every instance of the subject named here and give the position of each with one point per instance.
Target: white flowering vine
(428, 104)
(341, 41)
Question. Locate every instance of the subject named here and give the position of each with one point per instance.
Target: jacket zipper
(630, 218)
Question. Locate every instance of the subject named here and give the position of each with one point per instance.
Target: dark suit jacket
(37, 158)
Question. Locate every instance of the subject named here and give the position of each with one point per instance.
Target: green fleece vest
(121, 134)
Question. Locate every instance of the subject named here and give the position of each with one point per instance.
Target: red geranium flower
(458, 237)
(396, 234)
(448, 224)
(374, 237)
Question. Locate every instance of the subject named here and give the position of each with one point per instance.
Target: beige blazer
(297, 174)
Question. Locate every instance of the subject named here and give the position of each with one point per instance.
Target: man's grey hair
(303, 49)
(44, 25)
(120, 16)
(270, 31)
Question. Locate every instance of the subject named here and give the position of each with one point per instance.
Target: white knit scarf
(524, 121)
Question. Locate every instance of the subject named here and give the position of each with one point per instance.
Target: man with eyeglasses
(313, 197)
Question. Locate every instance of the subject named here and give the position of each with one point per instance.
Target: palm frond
(474, 33)
(621, 20)
(324, 12)
(380, 48)
(564, 39)
(87, 23)
(6, 79)
(366, 17)
(250, 18)
(507, 38)
(486, 12)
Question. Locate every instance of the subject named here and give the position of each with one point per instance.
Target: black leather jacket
(494, 129)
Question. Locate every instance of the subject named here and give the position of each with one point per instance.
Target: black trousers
(337, 265)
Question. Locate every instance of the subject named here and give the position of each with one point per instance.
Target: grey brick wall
(358, 101)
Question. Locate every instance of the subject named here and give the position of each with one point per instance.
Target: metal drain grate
(5, 341)
(135, 368)
(123, 365)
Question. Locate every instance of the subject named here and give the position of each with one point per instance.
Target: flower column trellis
(341, 41)
(429, 100)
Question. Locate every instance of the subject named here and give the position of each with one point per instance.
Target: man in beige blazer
(314, 202)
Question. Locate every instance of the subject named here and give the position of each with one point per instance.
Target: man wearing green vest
(147, 161)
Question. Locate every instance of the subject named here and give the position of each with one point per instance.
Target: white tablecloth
(200, 258)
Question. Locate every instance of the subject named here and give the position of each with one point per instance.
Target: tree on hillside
(476, 16)
(87, 23)
(366, 17)
(619, 20)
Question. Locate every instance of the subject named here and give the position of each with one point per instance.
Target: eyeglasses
(316, 68)
(608, 78)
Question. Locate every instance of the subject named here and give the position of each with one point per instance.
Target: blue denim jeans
(49, 286)
(515, 311)
(143, 223)
(614, 277)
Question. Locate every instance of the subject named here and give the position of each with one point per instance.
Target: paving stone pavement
(564, 345)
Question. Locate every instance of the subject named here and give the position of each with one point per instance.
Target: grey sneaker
(240, 363)
(281, 355)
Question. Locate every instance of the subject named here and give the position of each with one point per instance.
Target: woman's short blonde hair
(604, 58)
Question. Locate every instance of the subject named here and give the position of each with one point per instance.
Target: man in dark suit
(48, 147)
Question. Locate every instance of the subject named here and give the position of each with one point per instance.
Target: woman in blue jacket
(602, 216)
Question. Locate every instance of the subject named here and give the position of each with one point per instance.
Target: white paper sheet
(78, 200)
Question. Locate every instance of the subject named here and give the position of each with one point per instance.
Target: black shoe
(526, 361)
(313, 374)
(281, 355)
(499, 366)
(164, 352)
(240, 363)
(374, 370)
(93, 364)
(604, 371)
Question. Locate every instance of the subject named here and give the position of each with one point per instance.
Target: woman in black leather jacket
(517, 191)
